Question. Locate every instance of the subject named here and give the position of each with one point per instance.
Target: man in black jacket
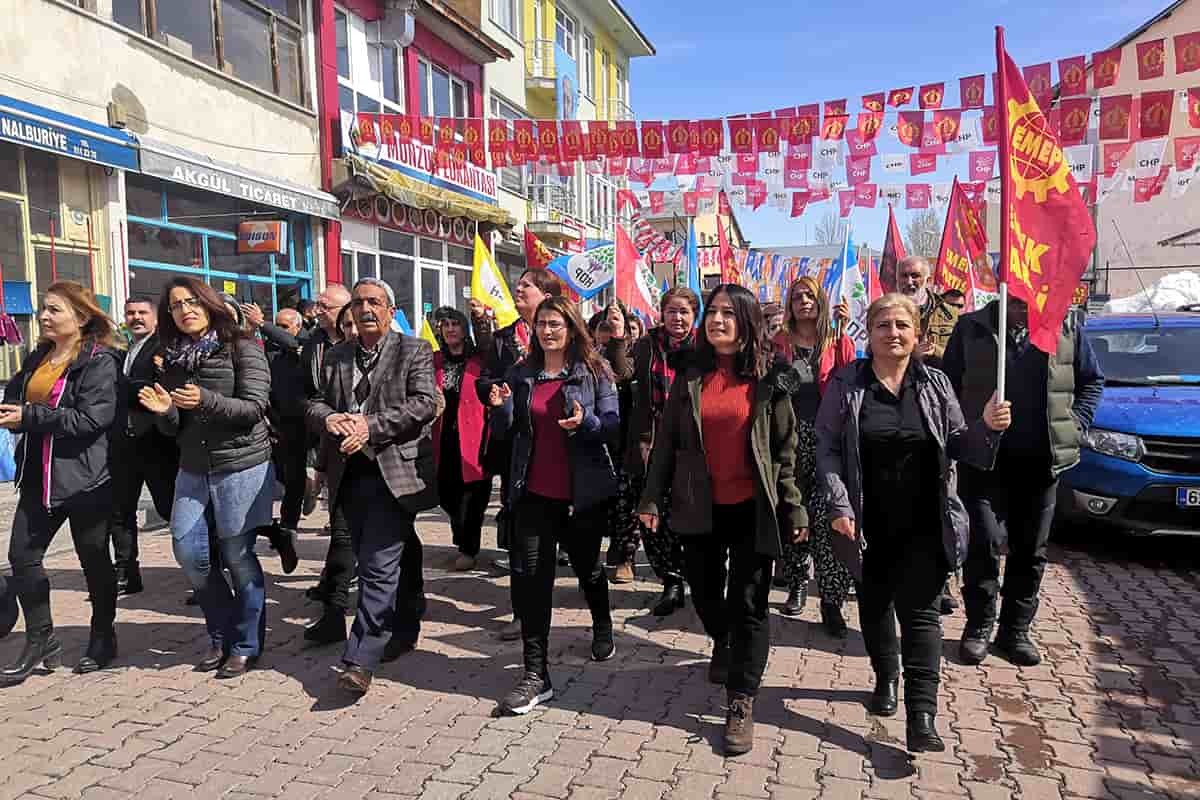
(140, 454)
(287, 417)
(1054, 399)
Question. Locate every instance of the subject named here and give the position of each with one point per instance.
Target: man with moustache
(938, 316)
(375, 412)
(140, 454)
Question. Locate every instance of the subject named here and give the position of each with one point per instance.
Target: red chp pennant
(922, 163)
(1193, 101)
(900, 97)
(756, 194)
(874, 102)
(804, 125)
(931, 95)
(1187, 53)
(834, 127)
(865, 194)
(658, 203)
(678, 136)
(741, 135)
(1145, 189)
(1106, 67)
(1037, 78)
(910, 128)
(1072, 76)
(1113, 154)
(857, 146)
(946, 124)
(1047, 235)
(653, 142)
(845, 202)
(524, 145)
(473, 139)
(982, 164)
(766, 135)
(916, 196)
(712, 137)
(1186, 148)
(858, 171)
(990, 125)
(686, 164)
(1114, 116)
(1154, 116)
(366, 129)
(799, 203)
(626, 133)
(1074, 115)
(691, 200)
(1152, 59)
(970, 91)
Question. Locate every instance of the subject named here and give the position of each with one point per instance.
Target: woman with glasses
(815, 349)
(727, 449)
(558, 409)
(213, 398)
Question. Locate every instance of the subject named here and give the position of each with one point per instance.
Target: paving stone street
(1112, 712)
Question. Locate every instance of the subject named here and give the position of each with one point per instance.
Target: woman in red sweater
(810, 343)
(727, 451)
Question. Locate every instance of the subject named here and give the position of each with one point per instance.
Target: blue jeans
(237, 504)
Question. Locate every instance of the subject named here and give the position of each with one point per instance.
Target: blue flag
(401, 321)
(836, 274)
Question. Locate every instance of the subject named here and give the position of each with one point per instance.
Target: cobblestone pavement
(1114, 710)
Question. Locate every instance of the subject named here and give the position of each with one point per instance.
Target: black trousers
(33, 529)
(391, 596)
(340, 563)
(465, 504)
(150, 461)
(540, 525)
(733, 604)
(1018, 503)
(291, 460)
(903, 578)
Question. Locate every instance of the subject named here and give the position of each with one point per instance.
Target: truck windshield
(1148, 356)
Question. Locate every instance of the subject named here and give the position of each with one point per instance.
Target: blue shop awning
(46, 129)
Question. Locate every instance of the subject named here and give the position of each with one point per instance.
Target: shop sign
(417, 160)
(212, 177)
(44, 129)
(262, 237)
(381, 210)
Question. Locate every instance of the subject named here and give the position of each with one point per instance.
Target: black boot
(9, 611)
(832, 619)
(101, 651)
(329, 629)
(718, 666)
(1016, 646)
(283, 541)
(973, 648)
(41, 648)
(670, 600)
(796, 599)
(884, 699)
(922, 735)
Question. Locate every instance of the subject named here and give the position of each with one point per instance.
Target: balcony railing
(539, 60)
(619, 110)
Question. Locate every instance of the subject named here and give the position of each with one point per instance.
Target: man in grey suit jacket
(374, 415)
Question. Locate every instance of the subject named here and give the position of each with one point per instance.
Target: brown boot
(739, 724)
(623, 573)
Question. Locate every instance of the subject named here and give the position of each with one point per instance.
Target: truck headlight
(1115, 444)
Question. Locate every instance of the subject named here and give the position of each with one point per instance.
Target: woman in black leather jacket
(214, 399)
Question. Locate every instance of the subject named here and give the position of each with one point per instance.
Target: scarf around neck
(188, 353)
(662, 372)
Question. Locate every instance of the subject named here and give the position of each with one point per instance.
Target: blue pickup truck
(1140, 466)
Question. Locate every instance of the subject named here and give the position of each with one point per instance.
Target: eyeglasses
(323, 306)
(552, 325)
(185, 303)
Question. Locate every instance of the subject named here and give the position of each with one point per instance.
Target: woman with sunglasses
(815, 349)
(727, 450)
(213, 398)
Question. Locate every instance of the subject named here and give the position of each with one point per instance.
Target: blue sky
(722, 58)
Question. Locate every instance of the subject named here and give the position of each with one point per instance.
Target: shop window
(431, 249)
(431, 292)
(287, 295)
(347, 268)
(460, 287)
(143, 198)
(262, 294)
(200, 209)
(41, 178)
(224, 257)
(395, 242)
(366, 266)
(10, 168)
(148, 282)
(165, 245)
(299, 249)
(64, 266)
(12, 240)
(460, 255)
(398, 273)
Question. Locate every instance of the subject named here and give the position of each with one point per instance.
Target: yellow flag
(489, 288)
(427, 335)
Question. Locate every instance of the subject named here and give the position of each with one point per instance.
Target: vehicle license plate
(1187, 497)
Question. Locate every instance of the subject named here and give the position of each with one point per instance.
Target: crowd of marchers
(741, 446)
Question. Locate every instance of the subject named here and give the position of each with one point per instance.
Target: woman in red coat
(463, 485)
(815, 349)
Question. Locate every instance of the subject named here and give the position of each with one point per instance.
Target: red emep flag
(1046, 233)
(900, 97)
(1152, 59)
(910, 128)
(970, 91)
(1037, 78)
(1072, 76)
(931, 95)
(964, 248)
(1074, 115)
(1106, 67)
(1154, 116)
(1187, 53)
(1193, 101)
(874, 102)
(653, 141)
(1114, 116)
(741, 135)
(678, 136)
